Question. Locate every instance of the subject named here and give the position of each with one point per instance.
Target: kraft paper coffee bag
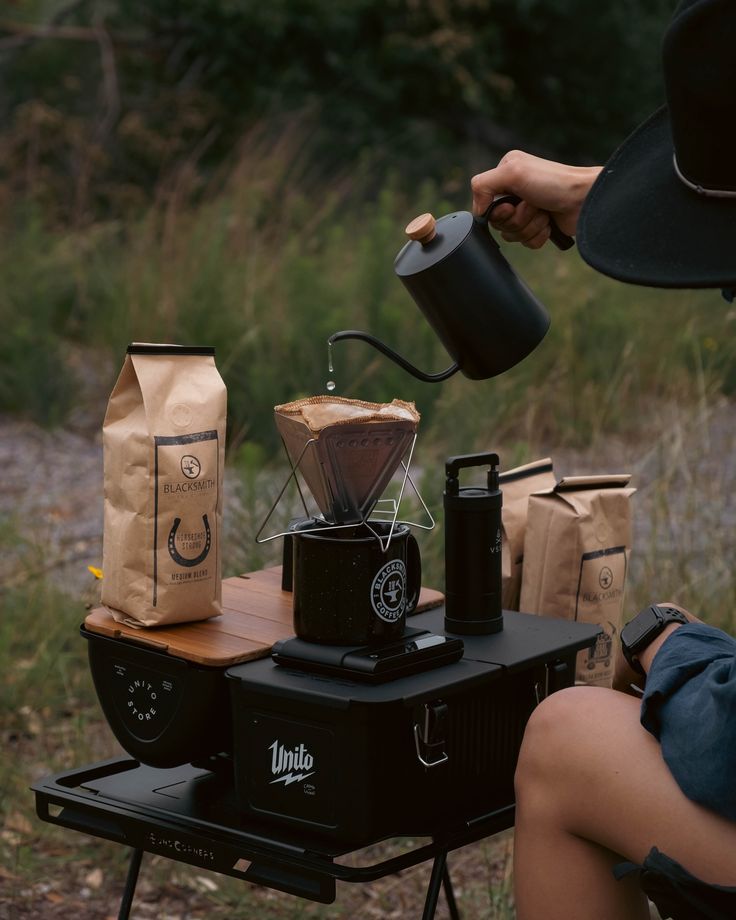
(517, 485)
(576, 550)
(164, 447)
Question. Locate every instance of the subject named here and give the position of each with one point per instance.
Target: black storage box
(164, 710)
(163, 690)
(358, 763)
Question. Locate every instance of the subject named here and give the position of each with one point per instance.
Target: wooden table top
(256, 612)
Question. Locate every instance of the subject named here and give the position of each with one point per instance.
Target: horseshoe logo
(177, 556)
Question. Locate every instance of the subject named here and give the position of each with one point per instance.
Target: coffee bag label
(600, 600)
(187, 488)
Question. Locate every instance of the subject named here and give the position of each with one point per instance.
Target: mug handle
(413, 573)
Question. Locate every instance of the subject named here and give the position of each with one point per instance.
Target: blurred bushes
(37, 302)
(272, 259)
(101, 101)
(238, 174)
(264, 270)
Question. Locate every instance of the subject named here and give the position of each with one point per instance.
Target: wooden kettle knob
(422, 229)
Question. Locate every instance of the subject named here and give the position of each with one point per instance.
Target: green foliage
(265, 287)
(180, 80)
(44, 660)
(272, 260)
(36, 312)
(581, 76)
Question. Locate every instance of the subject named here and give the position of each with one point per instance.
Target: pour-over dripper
(346, 450)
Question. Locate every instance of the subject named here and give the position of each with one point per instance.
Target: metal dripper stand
(347, 464)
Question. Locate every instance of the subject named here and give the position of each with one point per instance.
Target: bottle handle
(561, 240)
(453, 465)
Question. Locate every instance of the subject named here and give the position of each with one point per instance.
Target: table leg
(435, 883)
(450, 894)
(130, 882)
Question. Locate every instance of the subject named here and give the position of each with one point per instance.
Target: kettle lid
(431, 241)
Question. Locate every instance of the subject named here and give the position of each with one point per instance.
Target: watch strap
(662, 617)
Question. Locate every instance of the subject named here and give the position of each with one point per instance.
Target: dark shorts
(677, 894)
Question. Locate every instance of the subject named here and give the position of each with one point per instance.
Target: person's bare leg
(592, 789)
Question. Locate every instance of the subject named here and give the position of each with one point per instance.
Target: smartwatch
(644, 629)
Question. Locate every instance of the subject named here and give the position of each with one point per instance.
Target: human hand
(547, 189)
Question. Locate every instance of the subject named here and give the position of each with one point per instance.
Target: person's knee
(554, 740)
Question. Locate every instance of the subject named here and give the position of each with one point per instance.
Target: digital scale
(418, 650)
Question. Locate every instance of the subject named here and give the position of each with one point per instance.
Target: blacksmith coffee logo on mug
(388, 591)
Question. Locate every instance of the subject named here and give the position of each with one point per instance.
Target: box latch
(430, 733)
(559, 676)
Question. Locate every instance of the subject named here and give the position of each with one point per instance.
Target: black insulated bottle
(472, 549)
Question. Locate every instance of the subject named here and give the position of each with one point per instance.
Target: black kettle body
(484, 314)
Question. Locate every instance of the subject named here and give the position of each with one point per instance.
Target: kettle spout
(394, 356)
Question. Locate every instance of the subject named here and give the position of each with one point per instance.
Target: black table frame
(303, 868)
(190, 815)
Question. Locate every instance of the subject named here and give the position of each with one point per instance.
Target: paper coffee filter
(347, 449)
(318, 412)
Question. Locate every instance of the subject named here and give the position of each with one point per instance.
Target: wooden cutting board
(255, 614)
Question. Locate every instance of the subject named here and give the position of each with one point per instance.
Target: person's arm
(546, 188)
(625, 678)
(647, 656)
(688, 705)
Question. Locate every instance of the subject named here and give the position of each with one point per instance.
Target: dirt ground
(684, 471)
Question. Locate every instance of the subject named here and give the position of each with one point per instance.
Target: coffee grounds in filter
(346, 449)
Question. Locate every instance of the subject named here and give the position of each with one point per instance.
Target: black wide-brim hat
(662, 212)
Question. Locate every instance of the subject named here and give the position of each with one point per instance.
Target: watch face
(636, 632)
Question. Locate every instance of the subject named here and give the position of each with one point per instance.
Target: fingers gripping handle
(561, 240)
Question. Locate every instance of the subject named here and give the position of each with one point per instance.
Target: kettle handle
(561, 240)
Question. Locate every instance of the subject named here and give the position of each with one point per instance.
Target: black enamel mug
(348, 590)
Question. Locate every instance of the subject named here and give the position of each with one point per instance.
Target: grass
(266, 261)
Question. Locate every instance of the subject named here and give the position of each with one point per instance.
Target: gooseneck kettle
(484, 314)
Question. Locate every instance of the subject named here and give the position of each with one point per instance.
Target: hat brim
(641, 224)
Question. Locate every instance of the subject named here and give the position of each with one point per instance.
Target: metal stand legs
(440, 878)
(450, 894)
(130, 882)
